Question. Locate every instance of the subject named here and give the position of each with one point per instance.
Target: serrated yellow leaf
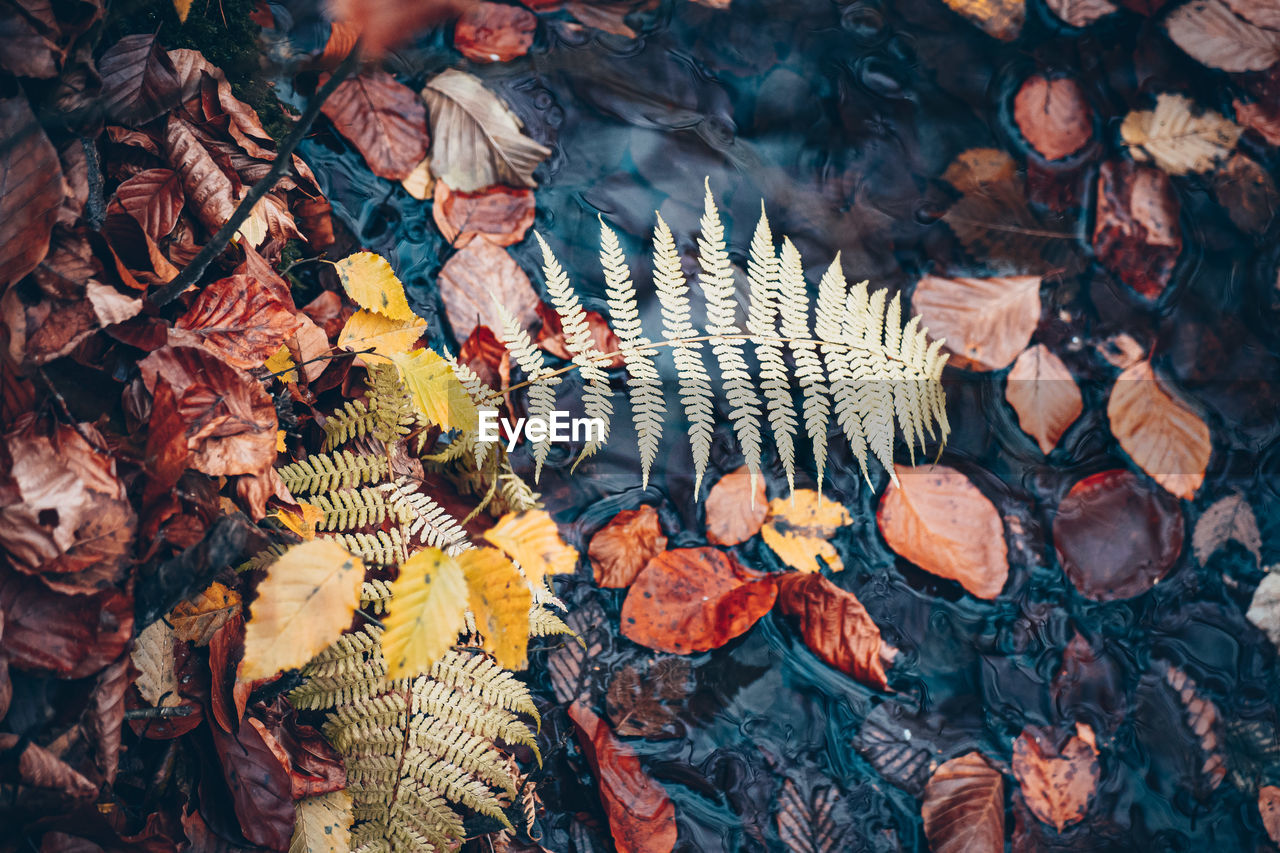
(370, 281)
(532, 540)
(304, 524)
(323, 824)
(500, 599)
(375, 336)
(436, 391)
(281, 364)
(303, 605)
(798, 530)
(426, 613)
(197, 619)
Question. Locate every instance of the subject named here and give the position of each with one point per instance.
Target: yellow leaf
(427, 610)
(500, 599)
(1000, 19)
(303, 524)
(183, 8)
(532, 540)
(799, 533)
(303, 605)
(323, 824)
(369, 280)
(281, 447)
(281, 364)
(197, 619)
(372, 334)
(436, 391)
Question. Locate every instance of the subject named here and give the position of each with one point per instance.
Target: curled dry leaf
(1136, 233)
(836, 627)
(477, 140)
(621, 548)
(1116, 537)
(1214, 36)
(209, 190)
(1043, 392)
(1203, 719)
(242, 318)
(1229, 519)
(694, 599)
(963, 807)
(986, 321)
(498, 214)
(383, 119)
(1001, 19)
(494, 32)
(799, 530)
(937, 519)
(642, 818)
(1264, 607)
(1176, 137)
(478, 277)
(735, 512)
(39, 768)
(1053, 115)
(1081, 13)
(30, 190)
(1058, 773)
(1159, 432)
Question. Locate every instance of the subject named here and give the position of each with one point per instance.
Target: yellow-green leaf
(799, 530)
(532, 540)
(500, 599)
(427, 610)
(436, 391)
(303, 605)
(370, 281)
(323, 824)
(372, 334)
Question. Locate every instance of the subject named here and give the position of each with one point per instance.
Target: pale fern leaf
(542, 395)
(837, 305)
(794, 306)
(762, 311)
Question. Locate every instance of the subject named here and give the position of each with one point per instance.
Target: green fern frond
(326, 472)
(351, 509)
(354, 420)
(263, 558)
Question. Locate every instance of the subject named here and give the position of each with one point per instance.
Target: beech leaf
(1159, 432)
(532, 539)
(819, 822)
(372, 334)
(197, 619)
(139, 82)
(500, 599)
(152, 655)
(799, 528)
(963, 807)
(372, 284)
(1136, 233)
(1058, 775)
(1053, 115)
(1043, 392)
(323, 824)
(620, 549)
(1177, 138)
(30, 190)
(986, 322)
(426, 613)
(384, 119)
(1229, 519)
(836, 627)
(501, 215)
(736, 508)
(154, 198)
(1001, 19)
(477, 277)
(494, 32)
(1212, 35)
(436, 392)
(242, 318)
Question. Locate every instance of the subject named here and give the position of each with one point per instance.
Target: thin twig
(192, 272)
(166, 711)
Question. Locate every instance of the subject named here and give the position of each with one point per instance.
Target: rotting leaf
(1136, 233)
(1044, 394)
(1177, 138)
(814, 818)
(799, 530)
(1162, 434)
(648, 705)
(1261, 117)
(384, 119)
(734, 513)
(478, 277)
(986, 322)
(936, 518)
(1054, 116)
(963, 808)
(500, 215)
(620, 549)
(1229, 519)
(1058, 774)
(836, 627)
(494, 32)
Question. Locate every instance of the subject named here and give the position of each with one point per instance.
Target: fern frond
(382, 547)
(428, 524)
(354, 420)
(325, 472)
(794, 308)
(716, 281)
(263, 558)
(763, 278)
(389, 400)
(482, 396)
(542, 395)
(833, 307)
(517, 496)
(647, 404)
(350, 509)
(695, 383)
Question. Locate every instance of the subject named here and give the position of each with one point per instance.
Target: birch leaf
(1159, 432)
(372, 284)
(428, 604)
(323, 824)
(532, 539)
(1176, 139)
(1044, 394)
(1212, 35)
(372, 334)
(986, 321)
(436, 391)
(1230, 519)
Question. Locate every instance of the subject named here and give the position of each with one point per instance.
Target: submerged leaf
(1136, 234)
(963, 807)
(1209, 33)
(494, 32)
(1001, 19)
(1043, 392)
(1229, 519)
(620, 549)
(1159, 432)
(1058, 775)
(799, 530)
(736, 508)
(475, 279)
(986, 322)
(1053, 115)
(1177, 139)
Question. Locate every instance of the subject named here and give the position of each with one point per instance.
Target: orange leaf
(498, 214)
(385, 120)
(937, 519)
(1161, 433)
(734, 515)
(1053, 115)
(1058, 775)
(799, 530)
(494, 32)
(1044, 394)
(621, 548)
(1269, 807)
(986, 321)
(963, 807)
(243, 318)
(837, 627)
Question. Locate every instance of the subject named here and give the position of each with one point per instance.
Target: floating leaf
(1136, 233)
(819, 822)
(620, 549)
(986, 322)
(1053, 115)
(372, 334)
(1264, 608)
(1175, 138)
(152, 655)
(500, 215)
(436, 392)
(963, 807)
(799, 530)
(1209, 33)
(1043, 392)
(478, 277)
(1081, 13)
(426, 613)
(937, 519)
(836, 627)
(500, 599)
(532, 539)
(197, 619)
(372, 284)
(736, 508)
(1229, 519)
(1001, 19)
(494, 32)
(1159, 432)
(385, 121)
(1058, 775)
(305, 603)
(323, 824)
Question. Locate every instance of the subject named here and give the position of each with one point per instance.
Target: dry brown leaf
(197, 619)
(30, 190)
(1211, 34)
(152, 655)
(734, 513)
(1229, 519)
(1081, 13)
(39, 768)
(494, 32)
(154, 198)
(836, 627)
(1001, 19)
(474, 278)
(937, 519)
(963, 808)
(242, 318)
(648, 705)
(501, 215)
(1247, 192)
(1136, 233)
(799, 530)
(986, 321)
(209, 190)
(1053, 115)
(1058, 774)
(621, 548)
(1043, 392)
(1159, 432)
(1177, 138)
(477, 140)
(383, 119)
(139, 82)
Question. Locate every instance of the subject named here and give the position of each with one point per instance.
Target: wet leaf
(425, 616)
(963, 807)
(1209, 32)
(816, 822)
(210, 192)
(799, 530)
(196, 619)
(1053, 115)
(648, 705)
(1116, 537)
(641, 815)
(937, 519)
(571, 665)
(620, 549)
(889, 744)
(1081, 13)
(1260, 117)
(1229, 519)
(501, 215)
(152, 655)
(1203, 719)
(478, 141)
(323, 824)
(1264, 608)
(1043, 392)
(305, 603)
(436, 391)
(986, 321)
(1177, 137)
(494, 32)
(40, 768)
(736, 511)
(694, 599)
(1001, 19)
(550, 337)
(532, 539)
(477, 276)
(1058, 774)
(500, 599)
(154, 198)
(259, 783)
(1269, 808)
(836, 627)
(1162, 434)
(139, 82)
(1136, 233)
(373, 334)
(384, 24)
(30, 190)
(373, 285)
(71, 636)
(242, 318)
(1247, 192)
(385, 121)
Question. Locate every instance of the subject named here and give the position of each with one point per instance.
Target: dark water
(842, 117)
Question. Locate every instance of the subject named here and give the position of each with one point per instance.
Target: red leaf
(243, 318)
(621, 548)
(228, 696)
(385, 24)
(208, 185)
(963, 807)
(1115, 536)
(694, 599)
(494, 32)
(315, 767)
(551, 336)
(1261, 117)
(40, 768)
(484, 354)
(30, 190)
(154, 198)
(167, 452)
(71, 636)
(837, 627)
(476, 276)
(642, 818)
(1136, 234)
(260, 788)
(1054, 115)
(498, 214)
(138, 80)
(1058, 774)
(385, 120)
(734, 515)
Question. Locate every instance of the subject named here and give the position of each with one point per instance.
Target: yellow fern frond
(325, 472)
